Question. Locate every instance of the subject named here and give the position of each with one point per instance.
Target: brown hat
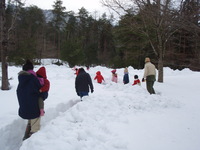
(147, 59)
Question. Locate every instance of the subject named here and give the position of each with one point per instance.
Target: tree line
(166, 32)
(79, 39)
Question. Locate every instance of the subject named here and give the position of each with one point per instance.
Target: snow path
(12, 134)
(89, 124)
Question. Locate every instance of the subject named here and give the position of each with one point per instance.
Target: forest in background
(171, 35)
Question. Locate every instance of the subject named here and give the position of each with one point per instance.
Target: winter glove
(143, 80)
(92, 90)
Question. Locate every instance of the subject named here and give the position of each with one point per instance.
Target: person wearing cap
(149, 75)
(28, 95)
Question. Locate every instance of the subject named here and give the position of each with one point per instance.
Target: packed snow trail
(12, 134)
(89, 124)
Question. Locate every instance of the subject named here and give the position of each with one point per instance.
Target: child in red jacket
(99, 77)
(41, 73)
(136, 81)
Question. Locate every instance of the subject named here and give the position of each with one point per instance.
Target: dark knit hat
(28, 65)
(81, 70)
(135, 76)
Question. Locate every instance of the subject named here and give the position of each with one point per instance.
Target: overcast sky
(89, 5)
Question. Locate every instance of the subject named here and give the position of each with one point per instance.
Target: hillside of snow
(114, 117)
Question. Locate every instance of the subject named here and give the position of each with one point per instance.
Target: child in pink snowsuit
(114, 76)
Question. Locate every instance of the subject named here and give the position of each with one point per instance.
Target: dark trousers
(41, 103)
(149, 83)
(81, 94)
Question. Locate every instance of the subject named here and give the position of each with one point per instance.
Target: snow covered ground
(114, 117)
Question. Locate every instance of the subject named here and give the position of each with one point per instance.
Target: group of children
(125, 77)
(42, 77)
(99, 77)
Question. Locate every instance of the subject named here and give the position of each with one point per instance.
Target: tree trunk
(4, 44)
(5, 83)
(160, 69)
(59, 45)
(160, 57)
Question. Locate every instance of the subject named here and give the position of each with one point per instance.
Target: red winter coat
(42, 73)
(137, 81)
(99, 77)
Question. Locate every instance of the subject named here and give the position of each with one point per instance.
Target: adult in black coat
(28, 95)
(82, 83)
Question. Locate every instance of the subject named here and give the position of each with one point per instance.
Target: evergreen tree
(131, 43)
(106, 54)
(58, 23)
(29, 34)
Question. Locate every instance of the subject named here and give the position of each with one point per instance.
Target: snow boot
(27, 132)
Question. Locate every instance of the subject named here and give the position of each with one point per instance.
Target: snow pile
(114, 117)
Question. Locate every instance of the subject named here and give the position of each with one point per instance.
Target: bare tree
(158, 23)
(4, 41)
(4, 79)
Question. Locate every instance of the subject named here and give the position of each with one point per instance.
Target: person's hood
(24, 76)
(113, 71)
(24, 73)
(42, 72)
(98, 73)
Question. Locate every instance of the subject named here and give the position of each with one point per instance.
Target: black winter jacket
(28, 95)
(83, 82)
